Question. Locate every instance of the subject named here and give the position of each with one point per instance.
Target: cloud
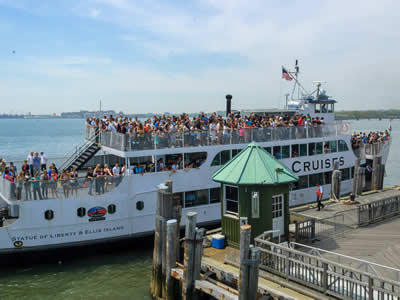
(353, 45)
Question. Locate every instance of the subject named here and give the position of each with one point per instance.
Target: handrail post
(287, 265)
(370, 288)
(324, 277)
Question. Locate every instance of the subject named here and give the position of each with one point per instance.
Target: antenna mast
(297, 84)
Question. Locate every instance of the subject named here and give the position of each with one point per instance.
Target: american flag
(286, 75)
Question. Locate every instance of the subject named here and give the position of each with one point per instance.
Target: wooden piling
(361, 180)
(253, 272)
(335, 186)
(376, 170)
(188, 271)
(356, 177)
(166, 209)
(245, 233)
(156, 281)
(172, 241)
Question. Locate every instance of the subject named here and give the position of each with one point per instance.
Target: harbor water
(119, 270)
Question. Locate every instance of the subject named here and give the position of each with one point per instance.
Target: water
(112, 271)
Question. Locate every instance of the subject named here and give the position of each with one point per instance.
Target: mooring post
(157, 260)
(253, 273)
(361, 180)
(376, 161)
(188, 274)
(335, 189)
(245, 233)
(163, 236)
(198, 252)
(172, 241)
(355, 176)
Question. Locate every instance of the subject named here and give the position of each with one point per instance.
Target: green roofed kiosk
(254, 185)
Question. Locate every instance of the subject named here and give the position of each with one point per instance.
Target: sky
(185, 56)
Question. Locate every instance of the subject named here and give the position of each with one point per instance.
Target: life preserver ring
(345, 128)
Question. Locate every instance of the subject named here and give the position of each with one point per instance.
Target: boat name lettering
(307, 166)
(65, 234)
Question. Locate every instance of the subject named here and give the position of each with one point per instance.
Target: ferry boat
(127, 207)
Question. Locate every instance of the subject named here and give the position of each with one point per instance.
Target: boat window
(342, 146)
(318, 148)
(286, 151)
(268, 149)
(302, 183)
(235, 152)
(221, 158)
(195, 159)
(352, 172)
(295, 151)
(215, 195)
(328, 177)
(327, 148)
(331, 108)
(178, 197)
(317, 108)
(139, 205)
(231, 199)
(316, 179)
(330, 147)
(49, 214)
(311, 149)
(345, 174)
(141, 165)
(324, 108)
(111, 209)
(225, 156)
(195, 198)
(277, 152)
(303, 149)
(81, 212)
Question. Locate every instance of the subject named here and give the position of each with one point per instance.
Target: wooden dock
(353, 253)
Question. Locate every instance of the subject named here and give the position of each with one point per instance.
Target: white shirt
(30, 159)
(115, 170)
(321, 190)
(43, 159)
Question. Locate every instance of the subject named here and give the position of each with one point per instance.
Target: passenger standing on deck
(25, 167)
(36, 164)
(30, 163)
(45, 184)
(20, 184)
(320, 193)
(36, 186)
(43, 161)
(117, 176)
(90, 178)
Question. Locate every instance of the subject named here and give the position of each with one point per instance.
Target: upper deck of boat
(186, 139)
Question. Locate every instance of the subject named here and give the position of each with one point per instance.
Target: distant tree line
(368, 114)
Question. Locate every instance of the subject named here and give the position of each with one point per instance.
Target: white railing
(162, 140)
(58, 189)
(324, 275)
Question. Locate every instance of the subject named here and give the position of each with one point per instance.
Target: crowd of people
(203, 121)
(377, 137)
(36, 181)
(204, 129)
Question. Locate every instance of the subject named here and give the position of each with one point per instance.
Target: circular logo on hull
(18, 244)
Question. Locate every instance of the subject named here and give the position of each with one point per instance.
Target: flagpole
(297, 82)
